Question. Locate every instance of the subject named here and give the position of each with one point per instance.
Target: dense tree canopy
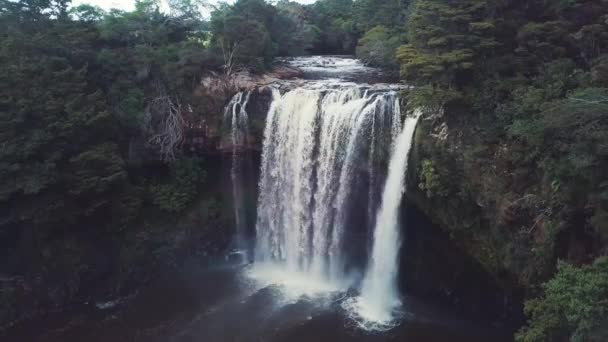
(529, 77)
(325, 27)
(77, 88)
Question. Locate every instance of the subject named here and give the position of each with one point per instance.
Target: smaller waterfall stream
(236, 114)
(379, 299)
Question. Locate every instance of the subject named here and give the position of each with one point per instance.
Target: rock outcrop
(503, 216)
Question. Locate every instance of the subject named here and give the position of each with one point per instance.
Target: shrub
(574, 306)
(175, 195)
(430, 181)
(378, 47)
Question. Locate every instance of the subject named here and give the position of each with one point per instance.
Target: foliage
(527, 82)
(296, 34)
(378, 47)
(256, 31)
(391, 14)
(446, 39)
(431, 100)
(336, 25)
(75, 84)
(182, 187)
(188, 11)
(56, 141)
(574, 306)
(87, 13)
(63, 155)
(430, 180)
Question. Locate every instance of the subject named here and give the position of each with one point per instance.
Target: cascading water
(326, 148)
(316, 145)
(375, 308)
(236, 114)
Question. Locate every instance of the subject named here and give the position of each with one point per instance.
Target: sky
(129, 4)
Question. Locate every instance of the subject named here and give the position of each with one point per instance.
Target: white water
(236, 114)
(337, 66)
(379, 300)
(316, 141)
(326, 147)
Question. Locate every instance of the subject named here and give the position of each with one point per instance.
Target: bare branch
(168, 134)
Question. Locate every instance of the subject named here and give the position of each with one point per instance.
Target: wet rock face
(469, 197)
(219, 84)
(436, 268)
(257, 108)
(286, 72)
(256, 104)
(209, 132)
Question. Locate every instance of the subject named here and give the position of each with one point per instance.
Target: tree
(293, 34)
(57, 165)
(574, 306)
(446, 42)
(241, 34)
(188, 9)
(378, 47)
(335, 22)
(88, 13)
(73, 91)
(391, 14)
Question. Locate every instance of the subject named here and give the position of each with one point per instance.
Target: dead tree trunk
(165, 123)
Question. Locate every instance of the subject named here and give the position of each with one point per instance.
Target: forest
(94, 107)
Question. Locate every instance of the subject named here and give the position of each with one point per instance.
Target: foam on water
(294, 285)
(366, 316)
(330, 65)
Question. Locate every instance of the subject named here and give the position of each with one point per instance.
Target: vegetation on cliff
(92, 109)
(573, 307)
(517, 105)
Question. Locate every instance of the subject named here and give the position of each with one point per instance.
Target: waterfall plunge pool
(239, 303)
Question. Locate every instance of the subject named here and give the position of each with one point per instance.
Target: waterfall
(236, 114)
(318, 143)
(327, 209)
(379, 295)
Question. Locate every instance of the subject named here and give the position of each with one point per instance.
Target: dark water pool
(201, 304)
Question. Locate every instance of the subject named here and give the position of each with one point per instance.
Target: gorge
(326, 249)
